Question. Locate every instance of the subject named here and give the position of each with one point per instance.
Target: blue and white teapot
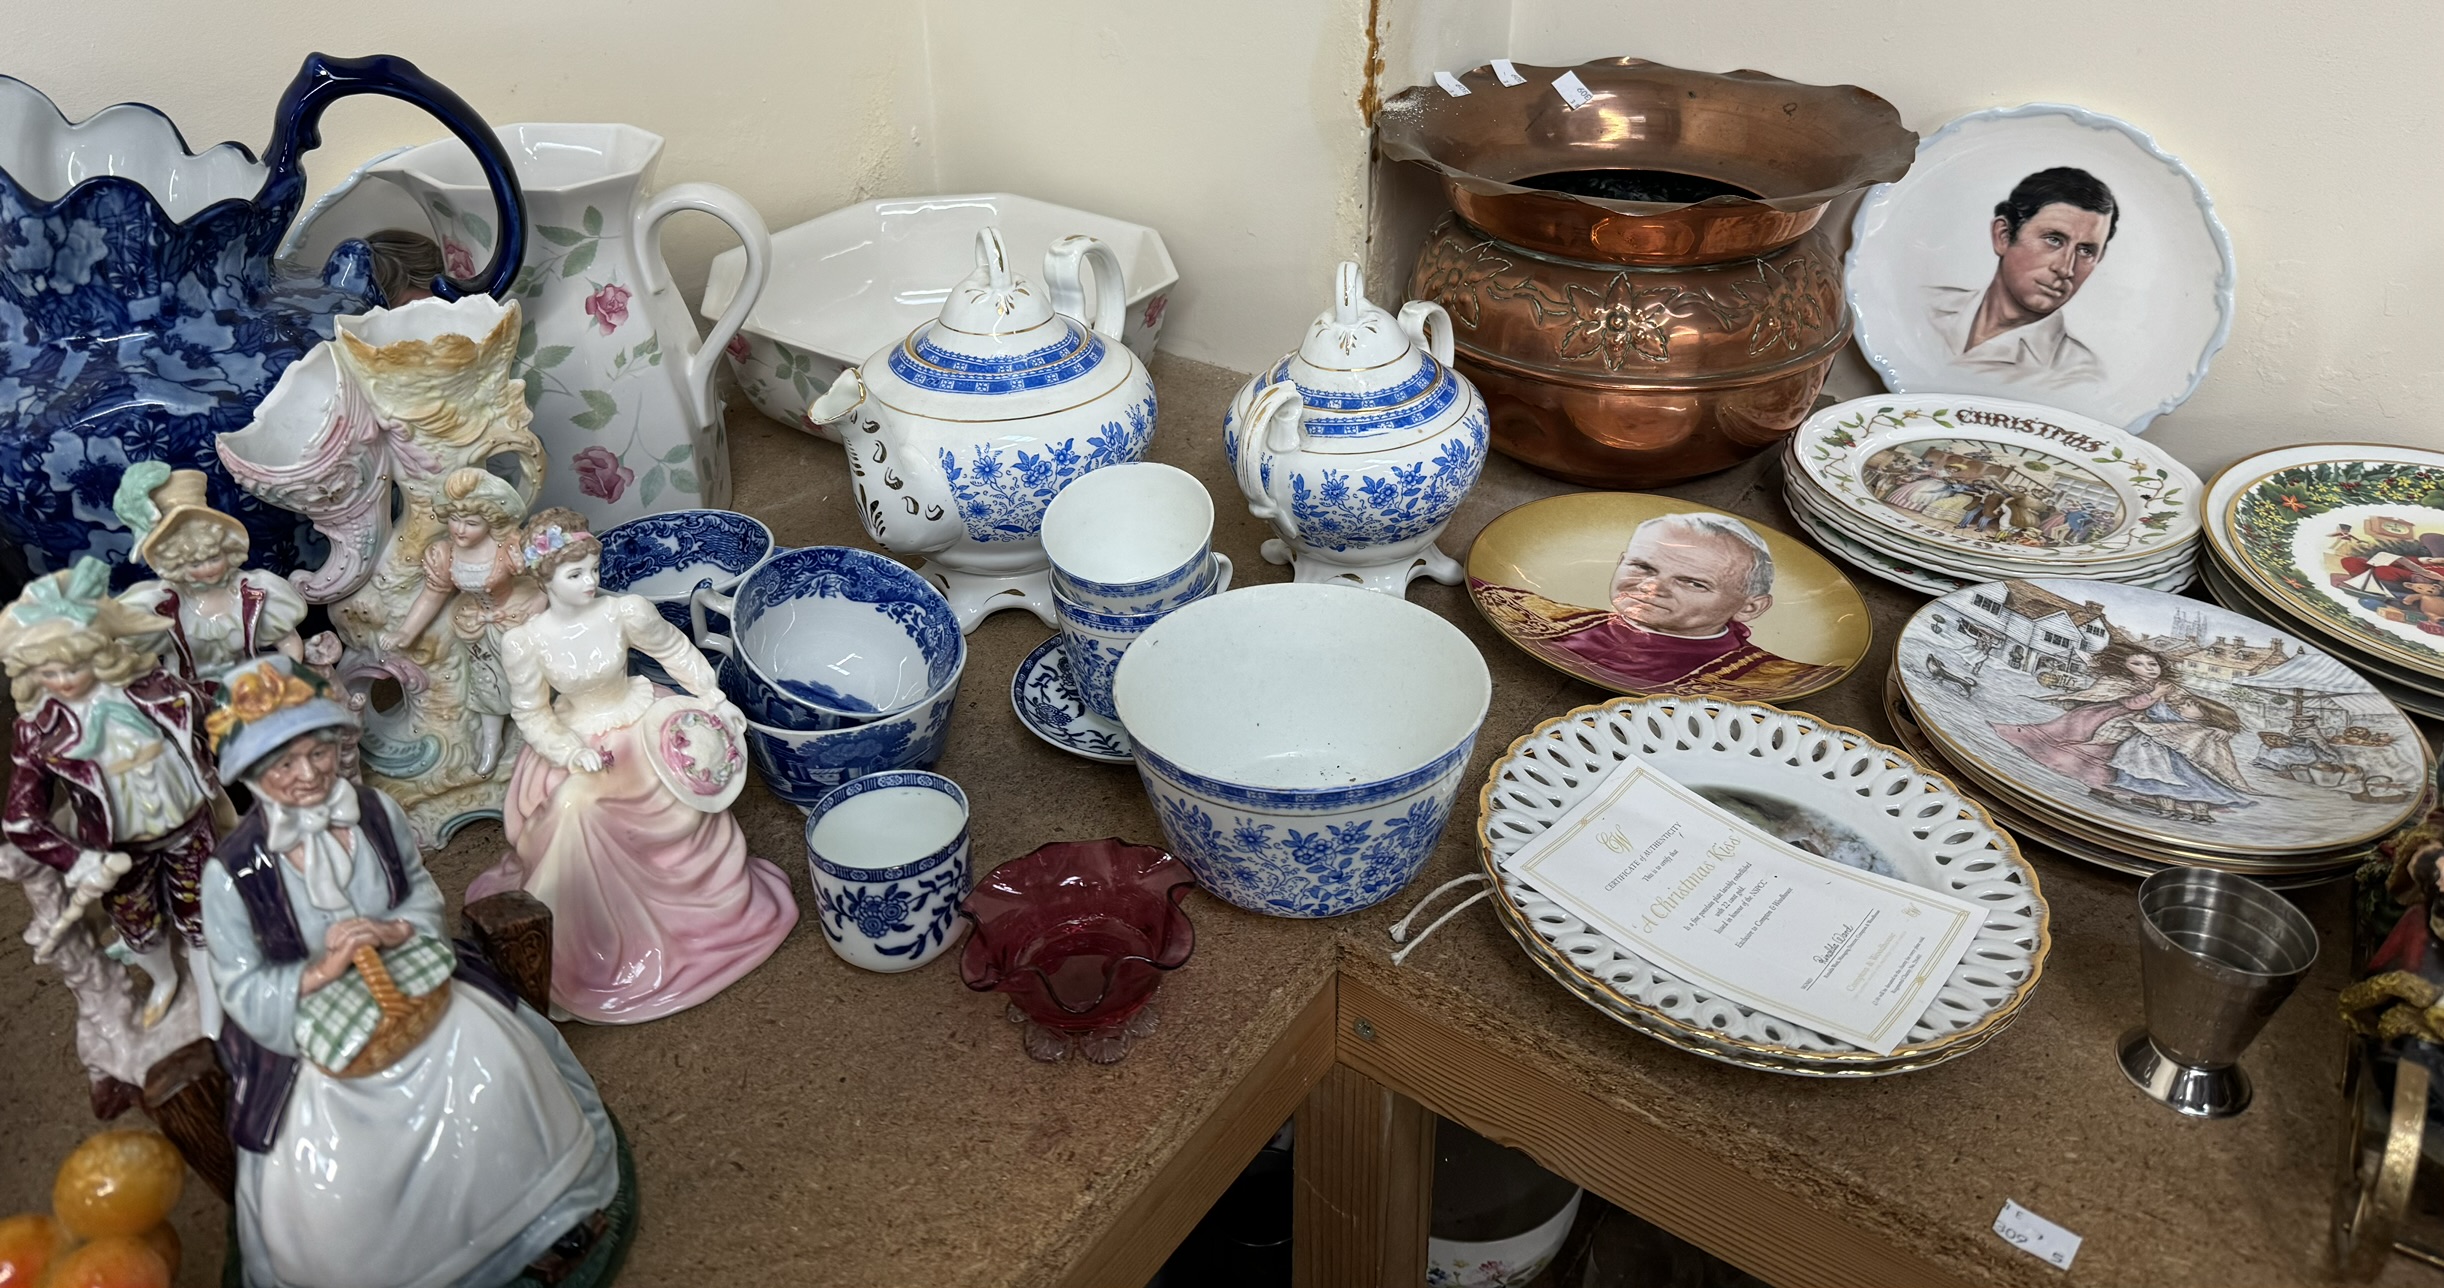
(1358, 447)
(959, 435)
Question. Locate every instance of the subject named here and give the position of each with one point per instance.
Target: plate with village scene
(2347, 537)
(2159, 716)
(1649, 595)
(1887, 556)
(2037, 486)
(2417, 694)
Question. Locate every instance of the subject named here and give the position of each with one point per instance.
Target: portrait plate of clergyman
(1644, 594)
(2046, 253)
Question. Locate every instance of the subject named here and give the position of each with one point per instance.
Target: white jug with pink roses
(620, 382)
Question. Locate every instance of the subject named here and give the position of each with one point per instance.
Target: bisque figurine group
(395, 1113)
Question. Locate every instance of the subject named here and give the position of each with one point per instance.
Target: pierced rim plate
(1047, 703)
(1907, 463)
(2153, 314)
(1926, 830)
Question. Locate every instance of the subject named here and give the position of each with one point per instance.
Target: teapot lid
(1352, 335)
(993, 300)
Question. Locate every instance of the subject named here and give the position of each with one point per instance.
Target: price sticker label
(1451, 84)
(2036, 1236)
(1507, 74)
(1573, 91)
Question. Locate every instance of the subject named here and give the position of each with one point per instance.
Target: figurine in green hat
(210, 611)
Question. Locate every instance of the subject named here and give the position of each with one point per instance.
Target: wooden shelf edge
(1630, 1161)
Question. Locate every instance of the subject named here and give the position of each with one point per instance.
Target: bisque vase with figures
(140, 314)
(1359, 446)
(962, 433)
(618, 810)
(400, 1119)
(392, 416)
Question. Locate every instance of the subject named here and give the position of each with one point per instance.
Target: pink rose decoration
(608, 307)
(1154, 311)
(599, 473)
(457, 260)
(736, 348)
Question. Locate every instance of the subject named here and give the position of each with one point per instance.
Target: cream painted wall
(1233, 129)
(800, 107)
(2317, 129)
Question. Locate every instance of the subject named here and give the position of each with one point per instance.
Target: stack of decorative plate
(2140, 730)
(1830, 790)
(1941, 491)
(2343, 542)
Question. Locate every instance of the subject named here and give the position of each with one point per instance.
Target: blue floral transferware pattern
(1002, 493)
(660, 543)
(1345, 511)
(905, 911)
(857, 576)
(799, 767)
(1304, 852)
(128, 335)
(1046, 699)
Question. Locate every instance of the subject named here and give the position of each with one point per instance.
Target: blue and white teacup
(889, 854)
(846, 635)
(1130, 539)
(800, 765)
(1094, 642)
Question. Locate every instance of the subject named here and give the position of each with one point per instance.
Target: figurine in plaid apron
(394, 1131)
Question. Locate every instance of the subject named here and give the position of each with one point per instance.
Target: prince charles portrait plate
(1649, 595)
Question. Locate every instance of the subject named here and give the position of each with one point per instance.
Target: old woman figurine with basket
(401, 1121)
(618, 810)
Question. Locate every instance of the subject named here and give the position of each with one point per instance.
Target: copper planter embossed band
(1635, 285)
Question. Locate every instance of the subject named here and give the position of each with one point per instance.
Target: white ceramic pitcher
(620, 383)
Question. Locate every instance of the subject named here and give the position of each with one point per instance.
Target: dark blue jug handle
(324, 80)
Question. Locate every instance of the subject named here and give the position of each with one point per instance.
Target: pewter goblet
(2217, 955)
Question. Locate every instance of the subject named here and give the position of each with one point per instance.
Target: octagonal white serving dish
(846, 284)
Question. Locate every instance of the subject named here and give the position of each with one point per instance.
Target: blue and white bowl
(890, 861)
(847, 635)
(667, 557)
(800, 765)
(1302, 744)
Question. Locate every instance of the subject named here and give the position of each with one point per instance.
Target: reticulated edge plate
(1835, 784)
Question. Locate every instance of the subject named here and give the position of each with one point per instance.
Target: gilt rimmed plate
(1818, 785)
(2110, 296)
(2420, 695)
(1995, 479)
(2157, 716)
(1543, 574)
(2168, 573)
(2342, 536)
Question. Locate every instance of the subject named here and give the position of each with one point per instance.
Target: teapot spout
(846, 395)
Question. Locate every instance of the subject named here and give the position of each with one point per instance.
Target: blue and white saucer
(1047, 702)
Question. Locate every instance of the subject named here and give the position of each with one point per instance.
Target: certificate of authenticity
(1737, 912)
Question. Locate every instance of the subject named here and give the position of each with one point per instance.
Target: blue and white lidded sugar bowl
(1359, 446)
(959, 435)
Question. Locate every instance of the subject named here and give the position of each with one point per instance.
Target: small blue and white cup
(1094, 642)
(844, 635)
(890, 859)
(666, 557)
(1132, 539)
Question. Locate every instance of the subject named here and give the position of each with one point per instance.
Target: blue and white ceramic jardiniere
(847, 634)
(889, 856)
(800, 765)
(139, 318)
(1302, 745)
(1359, 446)
(961, 434)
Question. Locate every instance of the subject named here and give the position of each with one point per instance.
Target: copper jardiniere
(1629, 343)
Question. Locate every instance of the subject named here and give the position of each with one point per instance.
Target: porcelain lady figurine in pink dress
(656, 904)
(478, 566)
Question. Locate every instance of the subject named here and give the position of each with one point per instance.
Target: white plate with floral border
(2001, 480)
(1855, 542)
(1832, 789)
